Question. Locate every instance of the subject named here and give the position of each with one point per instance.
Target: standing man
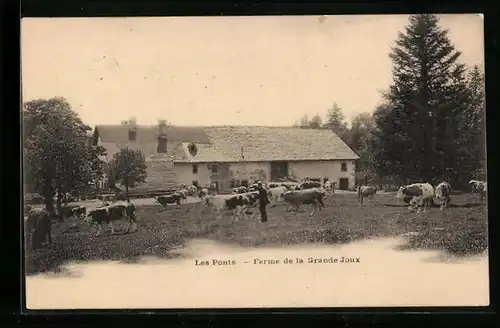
(263, 201)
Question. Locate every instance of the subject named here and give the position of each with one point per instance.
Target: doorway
(279, 170)
(343, 183)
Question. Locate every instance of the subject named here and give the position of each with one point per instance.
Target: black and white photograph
(254, 162)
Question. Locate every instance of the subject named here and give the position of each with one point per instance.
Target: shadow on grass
(435, 205)
(460, 234)
(460, 231)
(466, 205)
(81, 246)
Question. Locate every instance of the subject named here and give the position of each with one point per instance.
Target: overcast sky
(219, 70)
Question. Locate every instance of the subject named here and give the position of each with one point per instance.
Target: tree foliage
(431, 125)
(336, 121)
(58, 152)
(128, 167)
(425, 130)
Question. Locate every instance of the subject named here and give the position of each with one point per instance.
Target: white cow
(479, 187)
(330, 186)
(421, 192)
(238, 203)
(276, 194)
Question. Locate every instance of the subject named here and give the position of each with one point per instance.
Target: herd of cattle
(242, 200)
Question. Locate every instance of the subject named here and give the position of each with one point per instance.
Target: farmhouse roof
(231, 143)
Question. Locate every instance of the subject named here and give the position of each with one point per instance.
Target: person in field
(263, 201)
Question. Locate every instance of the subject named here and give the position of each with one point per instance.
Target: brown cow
(366, 191)
(38, 228)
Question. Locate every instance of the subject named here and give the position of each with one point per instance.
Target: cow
(213, 188)
(79, 211)
(366, 191)
(237, 202)
(330, 186)
(420, 192)
(112, 212)
(443, 194)
(203, 192)
(240, 190)
(182, 193)
(313, 196)
(192, 190)
(289, 185)
(310, 184)
(276, 194)
(270, 185)
(479, 187)
(38, 227)
(171, 199)
(253, 187)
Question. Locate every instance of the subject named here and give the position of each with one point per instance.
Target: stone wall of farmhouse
(243, 171)
(331, 170)
(185, 173)
(166, 175)
(161, 175)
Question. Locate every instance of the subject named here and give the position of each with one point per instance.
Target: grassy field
(460, 230)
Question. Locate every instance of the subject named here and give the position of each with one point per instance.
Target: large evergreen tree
(419, 126)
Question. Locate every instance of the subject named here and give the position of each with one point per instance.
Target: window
(132, 134)
(343, 167)
(195, 168)
(215, 168)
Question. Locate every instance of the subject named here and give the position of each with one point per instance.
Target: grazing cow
(240, 190)
(420, 192)
(203, 192)
(330, 186)
(366, 191)
(182, 193)
(313, 196)
(192, 190)
(310, 184)
(113, 212)
(443, 194)
(213, 188)
(270, 185)
(253, 187)
(237, 202)
(289, 185)
(171, 199)
(276, 194)
(79, 211)
(479, 187)
(38, 227)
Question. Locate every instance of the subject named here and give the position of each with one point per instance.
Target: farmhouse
(178, 154)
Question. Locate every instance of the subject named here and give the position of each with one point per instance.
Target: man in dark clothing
(263, 201)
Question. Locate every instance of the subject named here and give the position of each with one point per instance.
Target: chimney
(132, 123)
(132, 129)
(162, 136)
(162, 128)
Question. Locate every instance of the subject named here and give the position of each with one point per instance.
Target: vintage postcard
(254, 162)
